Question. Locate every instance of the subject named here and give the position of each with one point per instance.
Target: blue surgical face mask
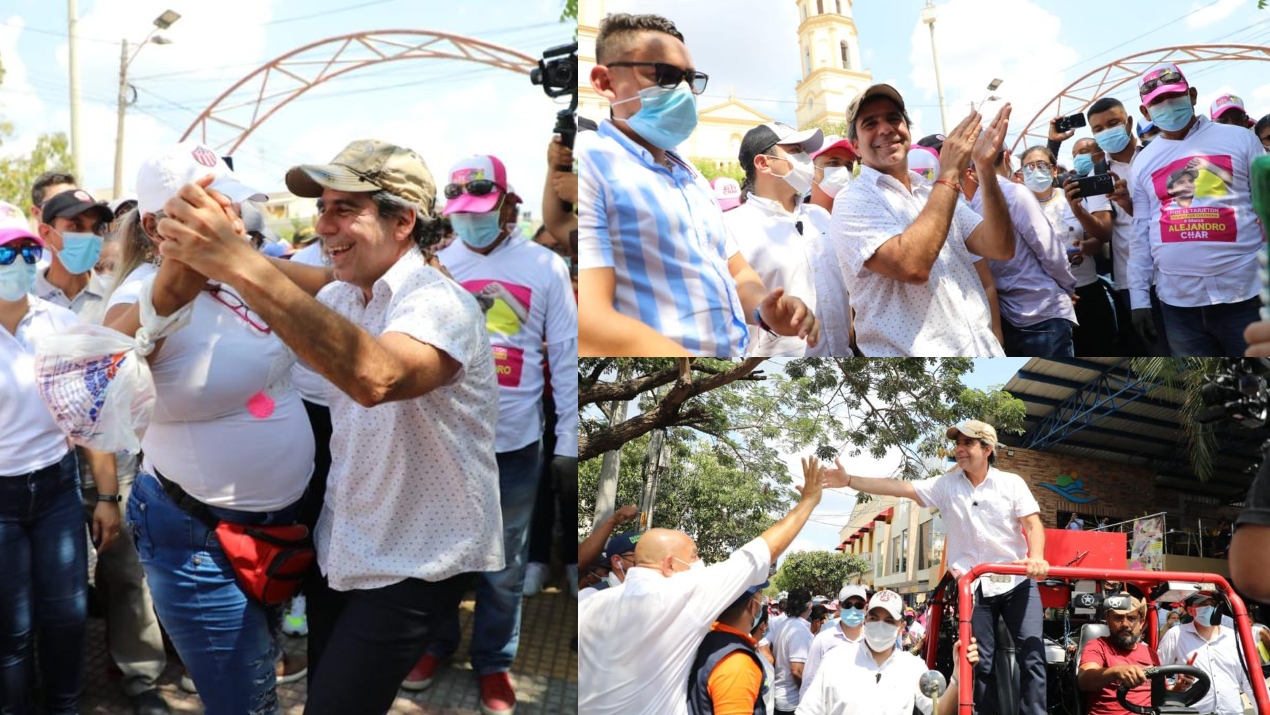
(79, 251)
(477, 230)
(666, 117)
(1083, 164)
(1172, 115)
(1203, 615)
(1112, 140)
(16, 280)
(757, 617)
(1036, 180)
(852, 616)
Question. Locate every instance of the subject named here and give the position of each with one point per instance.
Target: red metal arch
(1111, 76)
(252, 100)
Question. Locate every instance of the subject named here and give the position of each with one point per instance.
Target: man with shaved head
(673, 598)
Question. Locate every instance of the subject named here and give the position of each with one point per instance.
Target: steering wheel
(1162, 697)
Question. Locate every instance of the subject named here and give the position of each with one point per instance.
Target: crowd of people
(711, 642)
(1142, 241)
(345, 438)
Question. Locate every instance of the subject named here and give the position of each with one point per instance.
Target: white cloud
(19, 101)
(1213, 15)
(968, 64)
(1259, 101)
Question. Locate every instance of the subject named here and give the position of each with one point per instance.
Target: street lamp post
(928, 17)
(161, 22)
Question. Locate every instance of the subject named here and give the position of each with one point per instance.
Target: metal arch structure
(1078, 95)
(253, 99)
(1103, 396)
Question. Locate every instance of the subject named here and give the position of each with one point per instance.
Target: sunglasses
(1165, 76)
(30, 253)
(669, 76)
(480, 187)
(1042, 166)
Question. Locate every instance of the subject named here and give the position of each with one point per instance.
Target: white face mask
(880, 635)
(836, 179)
(801, 172)
(694, 566)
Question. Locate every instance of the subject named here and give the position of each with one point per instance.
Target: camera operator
(561, 187)
(1195, 218)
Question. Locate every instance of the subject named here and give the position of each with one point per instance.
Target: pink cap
(727, 192)
(477, 168)
(14, 226)
(1225, 103)
(835, 142)
(1164, 78)
(924, 161)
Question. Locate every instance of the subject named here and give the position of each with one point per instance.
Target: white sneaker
(571, 573)
(295, 621)
(536, 576)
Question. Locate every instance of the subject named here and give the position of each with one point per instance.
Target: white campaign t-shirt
(228, 425)
(533, 306)
(1068, 229)
(983, 521)
(790, 645)
(413, 487)
(29, 438)
(850, 682)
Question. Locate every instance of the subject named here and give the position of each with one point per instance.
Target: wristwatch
(109, 498)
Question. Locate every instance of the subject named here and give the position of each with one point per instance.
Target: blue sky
(835, 507)
(1037, 46)
(443, 109)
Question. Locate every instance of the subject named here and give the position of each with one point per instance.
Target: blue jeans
(496, 632)
(1020, 608)
(44, 561)
(1211, 330)
(1048, 338)
(224, 638)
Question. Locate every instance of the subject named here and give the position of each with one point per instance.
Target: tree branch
(630, 389)
(667, 411)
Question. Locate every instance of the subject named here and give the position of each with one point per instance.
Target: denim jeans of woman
(224, 638)
(44, 566)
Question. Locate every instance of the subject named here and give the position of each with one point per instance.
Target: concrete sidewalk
(545, 672)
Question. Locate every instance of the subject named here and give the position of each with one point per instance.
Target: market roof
(1100, 408)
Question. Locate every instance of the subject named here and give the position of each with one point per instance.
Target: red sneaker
(421, 676)
(497, 695)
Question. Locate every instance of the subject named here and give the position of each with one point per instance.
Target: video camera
(557, 74)
(1237, 392)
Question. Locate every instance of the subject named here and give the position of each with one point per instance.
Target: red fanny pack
(270, 561)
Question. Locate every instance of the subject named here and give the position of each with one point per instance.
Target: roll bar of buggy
(965, 610)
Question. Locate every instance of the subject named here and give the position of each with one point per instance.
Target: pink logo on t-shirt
(1195, 201)
(261, 405)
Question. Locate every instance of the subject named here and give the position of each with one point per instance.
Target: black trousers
(363, 643)
(311, 503)
(550, 500)
(1020, 608)
(1097, 332)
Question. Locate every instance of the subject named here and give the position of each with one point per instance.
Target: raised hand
(813, 479)
(988, 144)
(1058, 136)
(955, 155)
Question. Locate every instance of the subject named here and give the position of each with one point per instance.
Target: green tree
(1187, 375)
(838, 129)
(821, 572)
(711, 169)
(18, 173)
(570, 11)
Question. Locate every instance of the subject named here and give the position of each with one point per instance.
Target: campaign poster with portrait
(1193, 195)
(504, 320)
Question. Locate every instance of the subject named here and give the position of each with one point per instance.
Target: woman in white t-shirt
(229, 438)
(45, 559)
(1095, 313)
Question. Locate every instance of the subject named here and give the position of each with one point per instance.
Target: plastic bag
(96, 381)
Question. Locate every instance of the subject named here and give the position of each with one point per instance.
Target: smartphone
(1096, 185)
(1070, 122)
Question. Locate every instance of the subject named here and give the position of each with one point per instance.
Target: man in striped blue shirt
(659, 275)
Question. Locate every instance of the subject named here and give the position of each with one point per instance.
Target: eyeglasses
(236, 304)
(669, 76)
(30, 253)
(480, 187)
(1168, 75)
(1042, 166)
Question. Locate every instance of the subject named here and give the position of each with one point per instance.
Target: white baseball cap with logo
(888, 600)
(162, 175)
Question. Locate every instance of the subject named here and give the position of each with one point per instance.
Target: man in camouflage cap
(411, 505)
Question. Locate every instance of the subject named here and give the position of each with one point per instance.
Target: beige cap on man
(368, 165)
(877, 90)
(976, 429)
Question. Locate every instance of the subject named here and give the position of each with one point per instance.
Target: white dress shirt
(850, 682)
(778, 245)
(828, 639)
(1068, 230)
(637, 643)
(1218, 657)
(1121, 227)
(948, 315)
(29, 438)
(1207, 253)
(413, 487)
(790, 645)
(982, 522)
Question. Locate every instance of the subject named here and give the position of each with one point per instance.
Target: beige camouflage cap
(368, 165)
(975, 429)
